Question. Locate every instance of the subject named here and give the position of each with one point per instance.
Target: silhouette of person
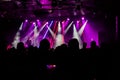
(73, 44)
(20, 48)
(73, 47)
(93, 45)
(44, 44)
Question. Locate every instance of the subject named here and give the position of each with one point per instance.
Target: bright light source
(78, 21)
(59, 37)
(82, 28)
(68, 27)
(26, 20)
(34, 23)
(76, 36)
(21, 26)
(59, 27)
(47, 23)
(47, 30)
(38, 20)
(52, 33)
(59, 40)
(68, 19)
(16, 40)
(83, 18)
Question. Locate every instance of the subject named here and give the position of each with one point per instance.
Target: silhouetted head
(45, 44)
(20, 45)
(64, 46)
(93, 44)
(73, 43)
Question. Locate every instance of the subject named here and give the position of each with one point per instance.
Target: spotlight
(62, 22)
(51, 66)
(83, 18)
(26, 20)
(68, 27)
(82, 28)
(76, 36)
(60, 37)
(47, 30)
(92, 39)
(68, 19)
(21, 27)
(38, 20)
(78, 21)
(47, 23)
(34, 23)
(59, 27)
(82, 11)
(75, 13)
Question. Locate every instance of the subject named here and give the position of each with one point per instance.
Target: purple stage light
(68, 27)
(26, 20)
(51, 66)
(51, 29)
(34, 23)
(38, 20)
(90, 34)
(47, 30)
(78, 21)
(45, 2)
(62, 22)
(68, 19)
(83, 18)
(47, 23)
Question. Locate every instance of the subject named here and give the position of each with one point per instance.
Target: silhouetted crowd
(65, 62)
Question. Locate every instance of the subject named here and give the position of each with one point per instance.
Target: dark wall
(8, 28)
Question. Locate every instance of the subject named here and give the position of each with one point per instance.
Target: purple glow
(51, 66)
(68, 19)
(45, 4)
(76, 35)
(90, 34)
(83, 18)
(25, 24)
(47, 23)
(35, 31)
(28, 33)
(47, 30)
(66, 30)
(75, 13)
(38, 20)
(34, 23)
(21, 26)
(77, 24)
(26, 20)
(82, 28)
(78, 21)
(38, 23)
(65, 23)
(62, 22)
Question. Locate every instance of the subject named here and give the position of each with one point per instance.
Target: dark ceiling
(58, 8)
